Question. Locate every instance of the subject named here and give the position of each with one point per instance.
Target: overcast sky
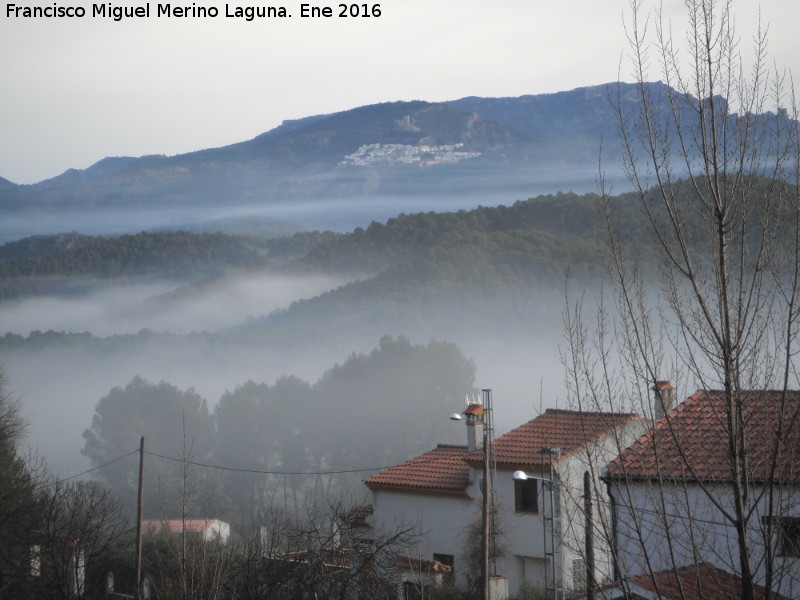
(73, 91)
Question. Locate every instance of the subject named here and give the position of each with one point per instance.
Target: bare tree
(78, 523)
(328, 552)
(18, 499)
(712, 156)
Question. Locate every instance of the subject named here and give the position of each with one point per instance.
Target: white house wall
(521, 536)
(523, 533)
(593, 458)
(681, 526)
(442, 521)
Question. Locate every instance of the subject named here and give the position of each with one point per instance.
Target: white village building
(441, 492)
(208, 530)
(673, 500)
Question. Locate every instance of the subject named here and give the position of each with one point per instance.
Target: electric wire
(263, 472)
(604, 501)
(59, 481)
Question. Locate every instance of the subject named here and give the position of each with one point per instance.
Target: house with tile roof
(441, 491)
(207, 529)
(673, 500)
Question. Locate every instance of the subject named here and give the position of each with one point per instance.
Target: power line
(54, 482)
(599, 500)
(263, 472)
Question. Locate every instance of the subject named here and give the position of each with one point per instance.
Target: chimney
(264, 541)
(475, 419)
(663, 398)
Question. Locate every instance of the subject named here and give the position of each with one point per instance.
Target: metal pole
(489, 532)
(587, 507)
(139, 505)
(485, 521)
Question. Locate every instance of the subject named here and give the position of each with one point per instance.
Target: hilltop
(374, 160)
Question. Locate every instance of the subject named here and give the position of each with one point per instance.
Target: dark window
(526, 497)
(413, 591)
(787, 531)
(578, 575)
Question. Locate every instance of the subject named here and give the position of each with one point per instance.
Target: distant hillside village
(406, 154)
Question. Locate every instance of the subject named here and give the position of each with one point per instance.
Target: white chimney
(663, 398)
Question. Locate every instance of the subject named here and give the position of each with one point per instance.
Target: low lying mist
(334, 213)
(61, 382)
(60, 388)
(164, 306)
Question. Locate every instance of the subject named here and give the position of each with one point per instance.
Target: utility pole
(587, 508)
(489, 502)
(486, 520)
(139, 504)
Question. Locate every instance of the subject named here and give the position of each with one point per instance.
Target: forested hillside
(81, 314)
(370, 410)
(404, 272)
(69, 263)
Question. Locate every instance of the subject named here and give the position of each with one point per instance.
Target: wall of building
(445, 520)
(663, 526)
(442, 522)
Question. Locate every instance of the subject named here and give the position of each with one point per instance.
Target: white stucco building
(208, 529)
(673, 500)
(441, 492)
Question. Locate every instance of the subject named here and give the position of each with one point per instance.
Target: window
(787, 534)
(414, 591)
(526, 496)
(788, 531)
(578, 575)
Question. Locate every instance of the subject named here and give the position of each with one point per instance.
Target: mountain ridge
(339, 170)
(486, 107)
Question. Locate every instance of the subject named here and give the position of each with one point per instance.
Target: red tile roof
(569, 430)
(700, 581)
(357, 517)
(691, 442)
(176, 525)
(446, 468)
(441, 470)
(421, 565)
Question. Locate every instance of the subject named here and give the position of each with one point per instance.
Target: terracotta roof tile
(569, 430)
(691, 442)
(421, 565)
(442, 469)
(357, 517)
(446, 468)
(176, 525)
(700, 581)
